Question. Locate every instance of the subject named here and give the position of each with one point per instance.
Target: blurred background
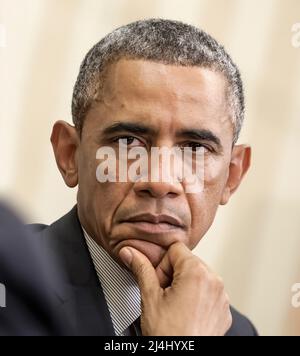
(255, 241)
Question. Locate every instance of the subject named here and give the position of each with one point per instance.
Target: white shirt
(120, 289)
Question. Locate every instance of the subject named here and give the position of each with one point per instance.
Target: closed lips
(155, 219)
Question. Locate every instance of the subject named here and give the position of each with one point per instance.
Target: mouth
(154, 224)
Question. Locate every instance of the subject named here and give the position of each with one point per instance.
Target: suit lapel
(81, 295)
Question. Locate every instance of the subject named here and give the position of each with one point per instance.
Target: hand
(182, 297)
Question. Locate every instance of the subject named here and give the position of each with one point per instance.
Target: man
(126, 246)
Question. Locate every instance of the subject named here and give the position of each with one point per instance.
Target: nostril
(147, 192)
(157, 190)
(144, 193)
(172, 195)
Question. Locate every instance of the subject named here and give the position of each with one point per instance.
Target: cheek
(215, 177)
(204, 205)
(203, 210)
(87, 169)
(107, 198)
(100, 198)
(215, 170)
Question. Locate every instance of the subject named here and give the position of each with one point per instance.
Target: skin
(168, 100)
(182, 297)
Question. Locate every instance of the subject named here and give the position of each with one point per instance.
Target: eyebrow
(202, 135)
(141, 129)
(129, 127)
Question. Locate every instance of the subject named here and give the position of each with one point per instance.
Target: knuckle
(219, 283)
(183, 265)
(196, 271)
(196, 267)
(227, 301)
(216, 283)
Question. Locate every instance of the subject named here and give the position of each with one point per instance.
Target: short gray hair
(158, 40)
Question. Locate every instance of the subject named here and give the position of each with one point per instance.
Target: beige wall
(255, 241)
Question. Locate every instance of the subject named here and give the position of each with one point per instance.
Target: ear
(65, 142)
(239, 165)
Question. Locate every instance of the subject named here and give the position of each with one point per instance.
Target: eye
(196, 145)
(128, 141)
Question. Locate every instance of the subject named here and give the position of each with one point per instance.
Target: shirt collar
(120, 289)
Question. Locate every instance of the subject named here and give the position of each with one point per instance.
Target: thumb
(142, 270)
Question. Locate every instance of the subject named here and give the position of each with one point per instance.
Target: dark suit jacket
(29, 275)
(80, 297)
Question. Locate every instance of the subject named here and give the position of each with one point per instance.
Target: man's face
(154, 105)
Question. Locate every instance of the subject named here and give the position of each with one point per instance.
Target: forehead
(164, 95)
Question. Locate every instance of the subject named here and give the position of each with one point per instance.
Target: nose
(158, 190)
(162, 180)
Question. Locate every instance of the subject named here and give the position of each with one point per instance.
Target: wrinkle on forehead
(165, 95)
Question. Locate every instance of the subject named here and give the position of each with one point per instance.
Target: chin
(152, 251)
